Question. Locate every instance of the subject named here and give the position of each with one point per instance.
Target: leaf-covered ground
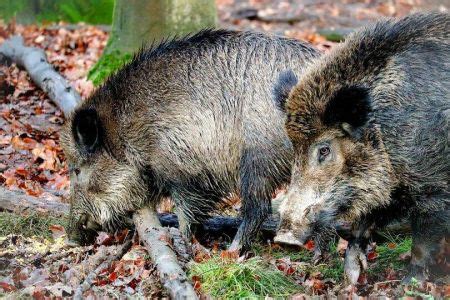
(34, 260)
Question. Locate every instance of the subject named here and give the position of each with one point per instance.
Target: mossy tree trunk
(137, 23)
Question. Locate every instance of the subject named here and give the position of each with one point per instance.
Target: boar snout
(290, 238)
(286, 237)
(82, 231)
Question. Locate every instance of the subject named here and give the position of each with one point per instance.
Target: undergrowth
(252, 278)
(389, 256)
(28, 226)
(107, 65)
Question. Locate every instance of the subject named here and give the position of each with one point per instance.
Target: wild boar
(369, 123)
(192, 119)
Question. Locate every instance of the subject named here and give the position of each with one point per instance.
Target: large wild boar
(369, 123)
(192, 119)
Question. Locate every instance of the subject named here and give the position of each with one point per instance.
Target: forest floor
(35, 261)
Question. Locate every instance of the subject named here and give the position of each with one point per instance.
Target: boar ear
(349, 105)
(286, 81)
(86, 129)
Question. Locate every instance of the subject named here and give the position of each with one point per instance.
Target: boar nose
(286, 237)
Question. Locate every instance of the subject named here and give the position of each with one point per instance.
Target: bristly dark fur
(359, 61)
(348, 105)
(390, 84)
(286, 81)
(196, 114)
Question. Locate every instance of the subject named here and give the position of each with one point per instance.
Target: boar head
(105, 186)
(341, 170)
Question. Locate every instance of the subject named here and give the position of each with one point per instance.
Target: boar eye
(73, 169)
(324, 151)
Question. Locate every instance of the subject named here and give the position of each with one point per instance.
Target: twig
(156, 239)
(42, 73)
(385, 282)
(90, 278)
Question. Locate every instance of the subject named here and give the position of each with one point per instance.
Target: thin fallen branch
(20, 203)
(41, 72)
(156, 239)
(108, 260)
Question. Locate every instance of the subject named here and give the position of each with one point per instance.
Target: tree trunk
(139, 22)
(29, 10)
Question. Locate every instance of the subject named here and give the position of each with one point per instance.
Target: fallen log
(157, 239)
(41, 72)
(19, 202)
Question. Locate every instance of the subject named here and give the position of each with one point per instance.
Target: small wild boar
(369, 123)
(192, 119)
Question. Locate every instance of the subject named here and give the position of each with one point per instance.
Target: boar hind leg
(430, 234)
(255, 195)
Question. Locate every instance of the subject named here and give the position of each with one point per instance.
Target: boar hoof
(355, 262)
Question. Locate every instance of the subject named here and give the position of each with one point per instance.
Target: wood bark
(157, 240)
(42, 73)
(138, 22)
(18, 202)
(114, 253)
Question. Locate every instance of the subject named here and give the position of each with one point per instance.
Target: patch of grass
(107, 65)
(331, 268)
(297, 255)
(389, 255)
(253, 278)
(28, 226)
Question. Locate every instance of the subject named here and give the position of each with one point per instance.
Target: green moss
(107, 65)
(252, 278)
(28, 226)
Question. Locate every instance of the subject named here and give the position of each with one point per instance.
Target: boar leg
(255, 194)
(355, 259)
(430, 232)
(355, 256)
(185, 225)
(185, 222)
(191, 209)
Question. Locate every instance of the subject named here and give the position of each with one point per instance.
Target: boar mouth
(289, 238)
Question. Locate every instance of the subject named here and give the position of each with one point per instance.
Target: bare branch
(156, 239)
(42, 73)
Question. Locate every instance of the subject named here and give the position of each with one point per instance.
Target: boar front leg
(256, 192)
(430, 237)
(186, 214)
(355, 255)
